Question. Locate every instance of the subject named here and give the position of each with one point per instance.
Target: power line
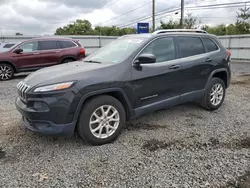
(147, 17)
(208, 8)
(124, 13)
(103, 3)
(221, 4)
(211, 6)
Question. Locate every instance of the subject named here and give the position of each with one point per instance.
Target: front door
(29, 58)
(158, 84)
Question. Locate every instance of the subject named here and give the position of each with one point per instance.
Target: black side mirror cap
(145, 59)
(18, 51)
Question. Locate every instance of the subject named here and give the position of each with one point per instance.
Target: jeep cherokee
(132, 76)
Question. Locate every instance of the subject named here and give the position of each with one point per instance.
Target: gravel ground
(182, 147)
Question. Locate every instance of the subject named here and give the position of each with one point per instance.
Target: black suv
(133, 75)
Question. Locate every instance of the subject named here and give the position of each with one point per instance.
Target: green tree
(84, 27)
(190, 21)
(169, 25)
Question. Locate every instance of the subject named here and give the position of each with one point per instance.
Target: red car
(37, 53)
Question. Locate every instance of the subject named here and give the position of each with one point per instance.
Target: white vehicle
(6, 46)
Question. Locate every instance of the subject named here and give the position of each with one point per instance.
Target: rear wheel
(6, 72)
(102, 120)
(68, 60)
(214, 95)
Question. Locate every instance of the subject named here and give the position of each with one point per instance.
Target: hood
(60, 73)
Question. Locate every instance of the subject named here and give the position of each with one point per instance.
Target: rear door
(50, 52)
(195, 63)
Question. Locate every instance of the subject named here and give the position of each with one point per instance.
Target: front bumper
(48, 128)
(45, 120)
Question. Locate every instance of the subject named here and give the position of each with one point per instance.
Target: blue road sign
(142, 28)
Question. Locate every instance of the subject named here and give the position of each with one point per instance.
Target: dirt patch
(240, 182)
(154, 144)
(245, 143)
(212, 143)
(144, 126)
(241, 80)
(2, 153)
(194, 115)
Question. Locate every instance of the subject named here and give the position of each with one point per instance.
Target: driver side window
(29, 47)
(162, 48)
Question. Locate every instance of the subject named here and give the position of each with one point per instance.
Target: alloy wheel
(216, 94)
(104, 121)
(5, 72)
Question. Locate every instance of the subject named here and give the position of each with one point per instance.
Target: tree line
(84, 27)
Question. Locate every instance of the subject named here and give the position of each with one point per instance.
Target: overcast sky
(44, 16)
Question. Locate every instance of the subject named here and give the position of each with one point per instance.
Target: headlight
(54, 87)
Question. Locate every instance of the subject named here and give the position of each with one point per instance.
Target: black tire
(67, 61)
(206, 100)
(83, 126)
(4, 76)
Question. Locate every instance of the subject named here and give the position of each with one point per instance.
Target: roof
(49, 38)
(179, 30)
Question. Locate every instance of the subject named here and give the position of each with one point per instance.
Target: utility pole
(182, 13)
(1, 34)
(153, 14)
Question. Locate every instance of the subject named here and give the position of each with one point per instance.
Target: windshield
(115, 52)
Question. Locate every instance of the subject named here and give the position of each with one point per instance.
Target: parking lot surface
(184, 146)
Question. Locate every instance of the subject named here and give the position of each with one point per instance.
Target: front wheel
(6, 72)
(214, 95)
(102, 120)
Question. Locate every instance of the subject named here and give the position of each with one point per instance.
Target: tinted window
(210, 45)
(29, 47)
(190, 46)
(66, 44)
(48, 45)
(162, 48)
(8, 45)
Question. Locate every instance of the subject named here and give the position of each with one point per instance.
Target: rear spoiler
(77, 42)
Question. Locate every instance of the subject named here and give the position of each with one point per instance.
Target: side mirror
(145, 59)
(18, 51)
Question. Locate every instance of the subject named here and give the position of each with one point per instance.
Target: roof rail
(179, 30)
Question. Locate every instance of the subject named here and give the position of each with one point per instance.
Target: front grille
(22, 89)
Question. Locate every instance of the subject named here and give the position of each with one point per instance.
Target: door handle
(36, 53)
(58, 51)
(208, 60)
(174, 67)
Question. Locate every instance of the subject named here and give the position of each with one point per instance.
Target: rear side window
(190, 46)
(48, 45)
(66, 44)
(210, 45)
(163, 49)
(8, 45)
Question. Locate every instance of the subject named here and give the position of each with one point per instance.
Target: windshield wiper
(93, 61)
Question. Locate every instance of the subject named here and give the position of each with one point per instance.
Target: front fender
(100, 92)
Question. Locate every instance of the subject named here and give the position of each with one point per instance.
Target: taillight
(82, 51)
(229, 58)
